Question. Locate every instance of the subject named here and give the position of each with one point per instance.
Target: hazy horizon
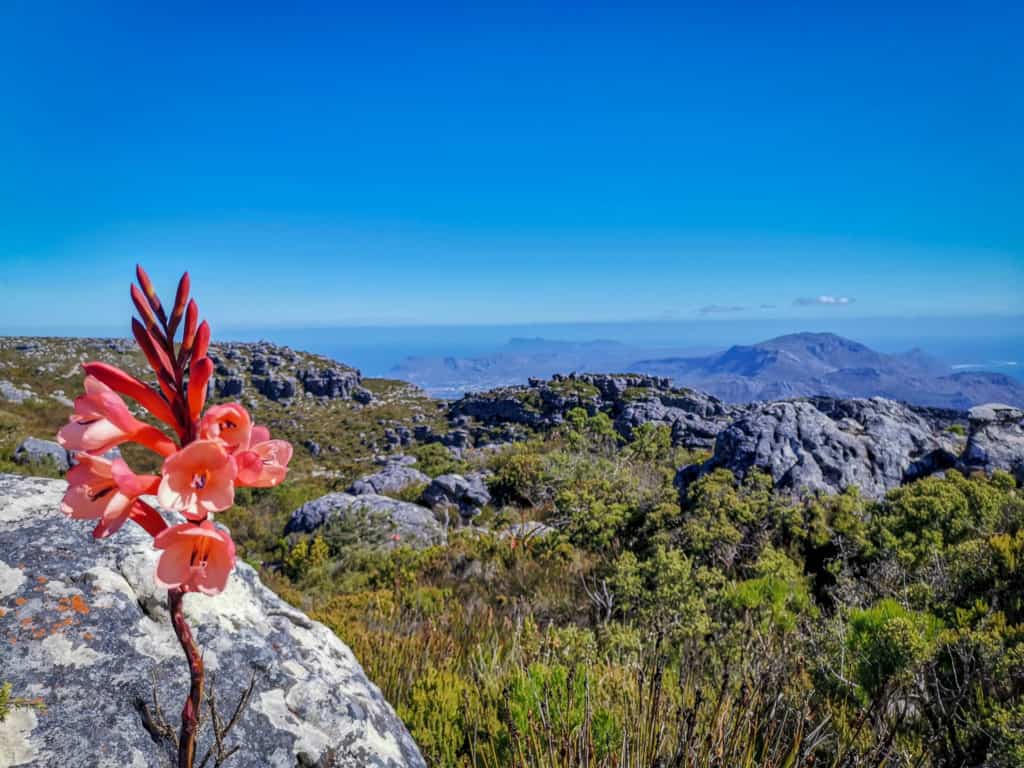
(982, 343)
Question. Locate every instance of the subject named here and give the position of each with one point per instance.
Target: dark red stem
(190, 712)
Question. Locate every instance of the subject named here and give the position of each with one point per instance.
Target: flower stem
(190, 712)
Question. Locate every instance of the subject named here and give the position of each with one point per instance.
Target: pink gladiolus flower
(196, 558)
(101, 421)
(198, 480)
(229, 423)
(104, 490)
(265, 464)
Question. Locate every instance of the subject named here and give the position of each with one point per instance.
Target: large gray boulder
(276, 388)
(397, 474)
(694, 418)
(14, 394)
(32, 450)
(467, 493)
(375, 519)
(995, 440)
(85, 629)
(830, 445)
(333, 382)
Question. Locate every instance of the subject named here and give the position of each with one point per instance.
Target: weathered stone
(276, 388)
(32, 450)
(332, 383)
(467, 493)
(92, 634)
(14, 394)
(394, 477)
(531, 529)
(629, 399)
(229, 386)
(378, 519)
(875, 445)
(995, 440)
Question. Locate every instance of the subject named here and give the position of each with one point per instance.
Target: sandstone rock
(229, 386)
(92, 636)
(629, 399)
(995, 440)
(331, 382)
(875, 445)
(32, 450)
(376, 518)
(14, 394)
(468, 493)
(394, 477)
(528, 530)
(276, 388)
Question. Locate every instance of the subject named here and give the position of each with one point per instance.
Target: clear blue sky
(421, 163)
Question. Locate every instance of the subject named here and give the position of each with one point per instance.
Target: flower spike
(128, 385)
(151, 297)
(202, 343)
(198, 377)
(180, 299)
(149, 321)
(214, 455)
(154, 352)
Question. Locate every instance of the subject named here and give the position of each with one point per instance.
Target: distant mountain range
(796, 365)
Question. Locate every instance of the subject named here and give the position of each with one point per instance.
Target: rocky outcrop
(829, 446)
(32, 450)
(629, 399)
(276, 387)
(694, 417)
(397, 474)
(84, 629)
(375, 520)
(995, 440)
(468, 494)
(281, 374)
(330, 382)
(10, 392)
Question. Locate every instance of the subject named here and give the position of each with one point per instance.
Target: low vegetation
(737, 628)
(741, 629)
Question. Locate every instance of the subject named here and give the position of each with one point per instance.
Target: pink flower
(196, 558)
(104, 490)
(101, 421)
(230, 423)
(262, 462)
(265, 464)
(198, 480)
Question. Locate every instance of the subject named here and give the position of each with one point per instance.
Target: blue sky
(434, 164)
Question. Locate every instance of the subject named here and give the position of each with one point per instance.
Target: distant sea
(990, 344)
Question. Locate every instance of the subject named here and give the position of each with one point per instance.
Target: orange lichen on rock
(78, 605)
(20, 601)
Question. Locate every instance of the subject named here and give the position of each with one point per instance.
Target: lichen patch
(11, 580)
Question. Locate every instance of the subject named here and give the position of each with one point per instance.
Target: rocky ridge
(629, 399)
(84, 629)
(827, 445)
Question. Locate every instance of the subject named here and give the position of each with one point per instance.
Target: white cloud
(827, 301)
